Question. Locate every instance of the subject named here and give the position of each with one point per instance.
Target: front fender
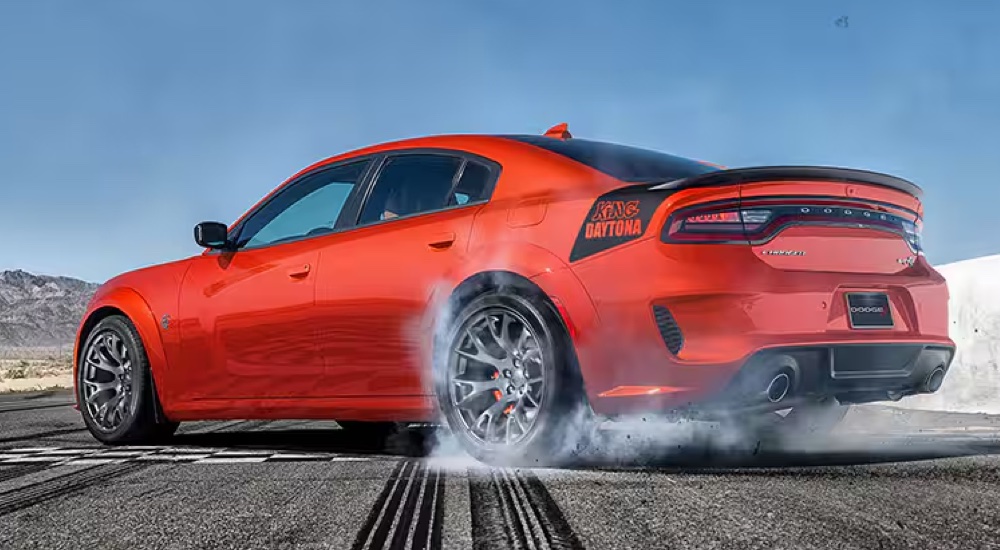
(126, 301)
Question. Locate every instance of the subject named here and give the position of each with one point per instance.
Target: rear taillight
(913, 232)
(701, 225)
(759, 221)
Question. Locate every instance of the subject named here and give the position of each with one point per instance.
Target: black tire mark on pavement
(427, 534)
(408, 511)
(513, 509)
(64, 485)
(557, 528)
(13, 472)
(40, 435)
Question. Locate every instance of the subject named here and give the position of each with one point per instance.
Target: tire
(804, 423)
(115, 341)
(551, 416)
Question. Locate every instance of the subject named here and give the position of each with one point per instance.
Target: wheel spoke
(534, 402)
(101, 386)
(522, 339)
(491, 416)
(501, 334)
(481, 357)
(105, 366)
(122, 406)
(533, 354)
(515, 414)
(111, 345)
(479, 387)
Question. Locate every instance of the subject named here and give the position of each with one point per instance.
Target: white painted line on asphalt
(32, 449)
(248, 452)
(173, 458)
(97, 461)
(293, 456)
(25, 459)
(349, 459)
(188, 450)
(72, 451)
(122, 454)
(231, 460)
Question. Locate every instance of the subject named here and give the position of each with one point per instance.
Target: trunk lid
(807, 218)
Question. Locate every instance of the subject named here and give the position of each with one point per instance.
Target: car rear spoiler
(736, 176)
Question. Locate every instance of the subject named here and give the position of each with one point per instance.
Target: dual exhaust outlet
(781, 384)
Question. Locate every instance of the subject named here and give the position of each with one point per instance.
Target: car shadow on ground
(411, 443)
(690, 457)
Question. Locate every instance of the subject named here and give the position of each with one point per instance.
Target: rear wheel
(115, 386)
(507, 383)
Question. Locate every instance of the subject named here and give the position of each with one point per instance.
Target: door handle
(442, 240)
(299, 272)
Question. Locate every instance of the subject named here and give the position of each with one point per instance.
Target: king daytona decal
(614, 219)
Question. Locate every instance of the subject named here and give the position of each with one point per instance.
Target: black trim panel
(615, 218)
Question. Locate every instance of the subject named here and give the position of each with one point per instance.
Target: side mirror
(212, 235)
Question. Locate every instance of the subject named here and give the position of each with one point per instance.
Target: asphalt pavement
(889, 478)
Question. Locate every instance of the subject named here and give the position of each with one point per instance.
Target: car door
(248, 316)
(375, 281)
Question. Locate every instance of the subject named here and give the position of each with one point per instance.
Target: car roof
(526, 169)
(539, 164)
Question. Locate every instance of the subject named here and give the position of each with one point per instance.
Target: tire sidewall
(140, 368)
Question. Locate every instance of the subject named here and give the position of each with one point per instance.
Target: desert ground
(35, 369)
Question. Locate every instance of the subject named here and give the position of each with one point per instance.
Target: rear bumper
(678, 333)
(850, 373)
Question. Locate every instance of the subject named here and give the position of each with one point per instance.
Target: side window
(472, 185)
(411, 184)
(307, 207)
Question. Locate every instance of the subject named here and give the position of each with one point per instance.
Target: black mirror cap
(212, 235)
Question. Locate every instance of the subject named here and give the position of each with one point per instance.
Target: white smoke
(640, 439)
(586, 440)
(973, 381)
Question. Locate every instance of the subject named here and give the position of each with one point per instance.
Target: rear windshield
(626, 163)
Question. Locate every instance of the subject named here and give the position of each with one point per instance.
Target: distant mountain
(39, 310)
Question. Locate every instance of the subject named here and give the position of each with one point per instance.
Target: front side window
(306, 208)
(411, 184)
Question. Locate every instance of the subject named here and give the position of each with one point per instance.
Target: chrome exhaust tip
(934, 380)
(778, 388)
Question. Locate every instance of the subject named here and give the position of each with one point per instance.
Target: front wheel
(115, 386)
(507, 381)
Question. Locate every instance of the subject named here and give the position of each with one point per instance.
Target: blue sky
(124, 123)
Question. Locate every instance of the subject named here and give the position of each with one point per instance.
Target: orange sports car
(504, 284)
